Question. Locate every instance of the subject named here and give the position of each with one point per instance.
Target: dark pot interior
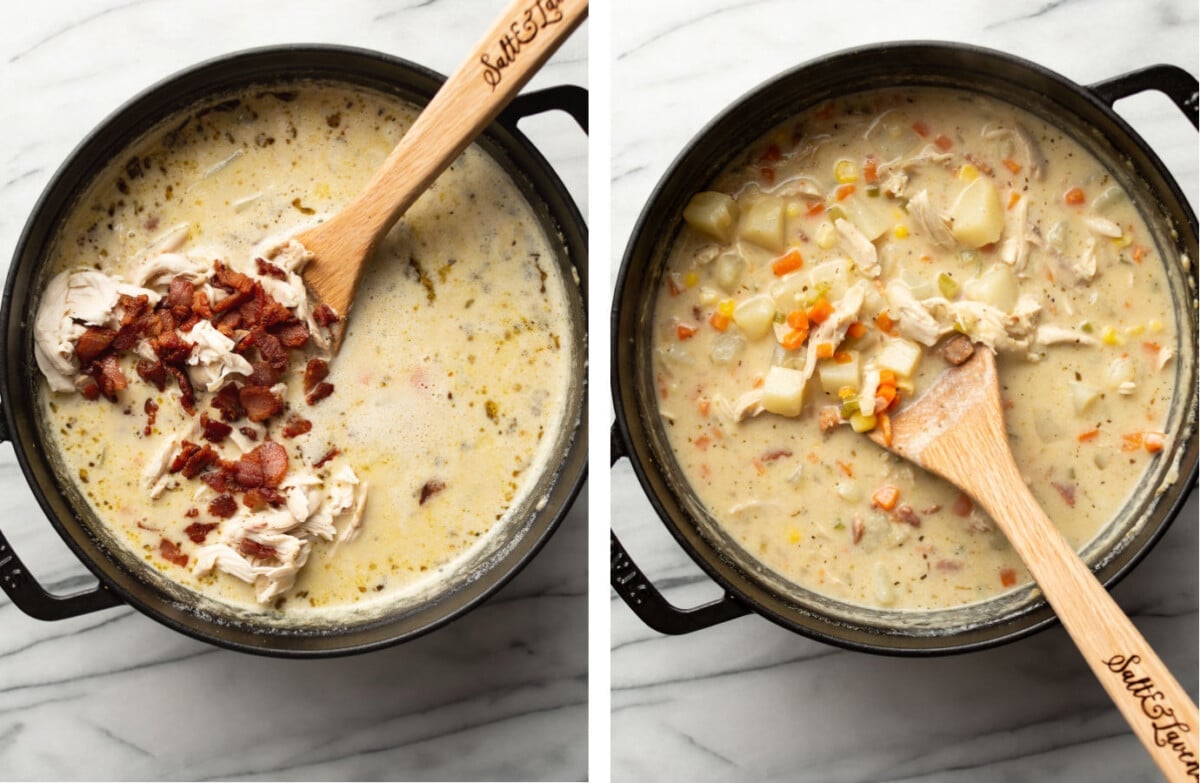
(1086, 115)
(125, 577)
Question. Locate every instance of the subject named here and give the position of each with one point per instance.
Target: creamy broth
(820, 283)
(451, 386)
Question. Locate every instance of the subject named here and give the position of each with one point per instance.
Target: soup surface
(833, 271)
(296, 483)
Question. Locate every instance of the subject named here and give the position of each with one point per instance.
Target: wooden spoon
(519, 42)
(956, 430)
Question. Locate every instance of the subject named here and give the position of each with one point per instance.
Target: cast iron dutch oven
(1084, 112)
(122, 578)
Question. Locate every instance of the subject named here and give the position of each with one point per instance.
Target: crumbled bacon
(267, 269)
(270, 348)
(223, 506)
(262, 374)
(187, 396)
(89, 388)
(274, 461)
(94, 341)
(771, 456)
(228, 403)
(333, 452)
(201, 306)
(179, 296)
(249, 432)
(431, 488)
(132, 307)
(251, 548)
(192, 512)
(236, 299)
(320, 392)
(904, 513)
(295, 425)
(107, 372)
(1067, 491)
(151, 409)
(259, 402)
(231, 280)
(192, 459)
(315, 371)
(214, 431)
(293, 334)
(217, 480)
(260, 497)
(171, 349)
(170, 552)
(198, 531)
(152, 372)
(325, 315)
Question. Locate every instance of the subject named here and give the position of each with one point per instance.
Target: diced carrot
(1138, 253)
(856, 330)
(816, 209)
(884, 422)
(1152, 347)
(794, 339)
(824, 350)
(767, 174)
(759, 381)
(674, 286)
(962, 505)
(820, 311)
(719, 321)
(842, 357)
(1013, 199)
(1074, 196)
(683, 331)
(887, 391)
(1154, 442)
(702, 442)
(704, 405)
(887, 377)
(1088, 436)
(846, 468)
(789, 262)
(771, 154)
(843, 191)
(812, 457)
(1012, 165)
(921, 128)
(1131, 441)
(797, 319)
(870, 170)
(885, 322)
(1008, 576)
(885, 497)
(943, 142)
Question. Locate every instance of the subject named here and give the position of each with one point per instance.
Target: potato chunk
(900, 356)
(712, 213)
(977, 217)
(783, 391)
(996, 287)
(755, 316)
(763, 224)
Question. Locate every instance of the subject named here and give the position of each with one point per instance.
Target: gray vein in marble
(140, 666)
(120, 740)
(76, 24)
(731, 8)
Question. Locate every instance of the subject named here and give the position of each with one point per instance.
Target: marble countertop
(748, 700)
(499, 694)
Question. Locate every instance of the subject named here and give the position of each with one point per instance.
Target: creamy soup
(318, 484)
(832, 272)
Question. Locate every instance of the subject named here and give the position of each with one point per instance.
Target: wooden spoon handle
(523, 38)
(1158, 709)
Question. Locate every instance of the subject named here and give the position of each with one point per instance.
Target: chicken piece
(858, 247)
(1048, 334)
(932, 225)
(914, 321)
(213, 357)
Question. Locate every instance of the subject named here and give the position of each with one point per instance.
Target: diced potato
(870, 216)
(763, 223)
(1120, 370)
(829, 279)
(727, 270)
(918, 286)
(900, 356)
(977, 216)
(834, 376)
(1082, 396)
(997, 287)
(755, 315)
(783, 391)
(727, 347)
(712, 213)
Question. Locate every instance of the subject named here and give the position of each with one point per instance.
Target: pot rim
(540, 184)
(646, 459)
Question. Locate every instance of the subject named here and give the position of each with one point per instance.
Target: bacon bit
(870, 170)
(191, 513)
(201, 306)
(857, 529)
(107, 372)
(251, 548)
(325, 315)
(1067, 491)
(962, 505)
(223, 506)
(948, 565)
(815, 210)
(230, 280)
(151, 409)
(132, 307)
(187, 396)
(267, 269)
(94, 341)
(217, 480)
(89, 389)
(270, 348)
(227, 402)
(943, 142)
(843, 192)
(129, 334)
(885, 497)
(1008, 577)
(1012, 165)
(846, 468)
(320, 392)
(198, 531)
(260, 497)
(429, 489)
(171, 349)
(333, 452)
(684, 332)
(263, 466)
(1089, 435)
(170, 552)
(315, 371)
(259, 402)
(904, 513)
(1074, 196)
(789, 262)
(192, 459)
(179, 296)
(213, 430)
(293, 334)
(249, 432)
(771, 456)
(295, 425)
(262, 374)
(1154, 442)
(771, 154)
(856, 330)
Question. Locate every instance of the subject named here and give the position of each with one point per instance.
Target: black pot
(123, 578)
(1084, 112)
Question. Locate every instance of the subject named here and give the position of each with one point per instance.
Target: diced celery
(763, 223)
(862, 423)
(754, 316)
(783, 391)
(712, 213)
(947, 285)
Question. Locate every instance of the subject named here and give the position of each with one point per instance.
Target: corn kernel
(794, 535)
(1155, 326)
(1109, 336)
(794, 209)
(1135, 330)
(690, 279)
(845, 171)
(846, 392)
(1123, 241)
(968, 172)
(826, 235)
(901, 231)
(726, 308)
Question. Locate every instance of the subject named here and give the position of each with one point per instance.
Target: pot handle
(34, 600)
(644, 598)
(567, 97)
(1174, 82)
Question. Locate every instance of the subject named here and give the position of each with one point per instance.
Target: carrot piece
(1154, 442)
(825, 350)
(887, 392)
(704, 406)
(820, 311)
(887, 377)
(1088, 436)
(962, 505)
(1074, 196)
(885, 322)
(1152, 347)
(719, 321)
(1138, 253)
(683, 331)
(797, 320)
(885, 497)
(846, 468)
(1012, 165)
(1013, 199)
(1008, 576)
(789, 262)
(943, 142)
(1132, 441)
(884, 422)
(759, 381)
(870, 170)
(816, 209)
(842, 357)
(843, 191)
(856, 329)
(674, 287)
(794, 339)
(921, 128)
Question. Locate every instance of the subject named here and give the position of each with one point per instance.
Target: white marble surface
(500, 694)
(748, 700)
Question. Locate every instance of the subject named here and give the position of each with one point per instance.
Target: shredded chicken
(1049, 334)
(932, 225)
(858, 247)
(213, 357)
